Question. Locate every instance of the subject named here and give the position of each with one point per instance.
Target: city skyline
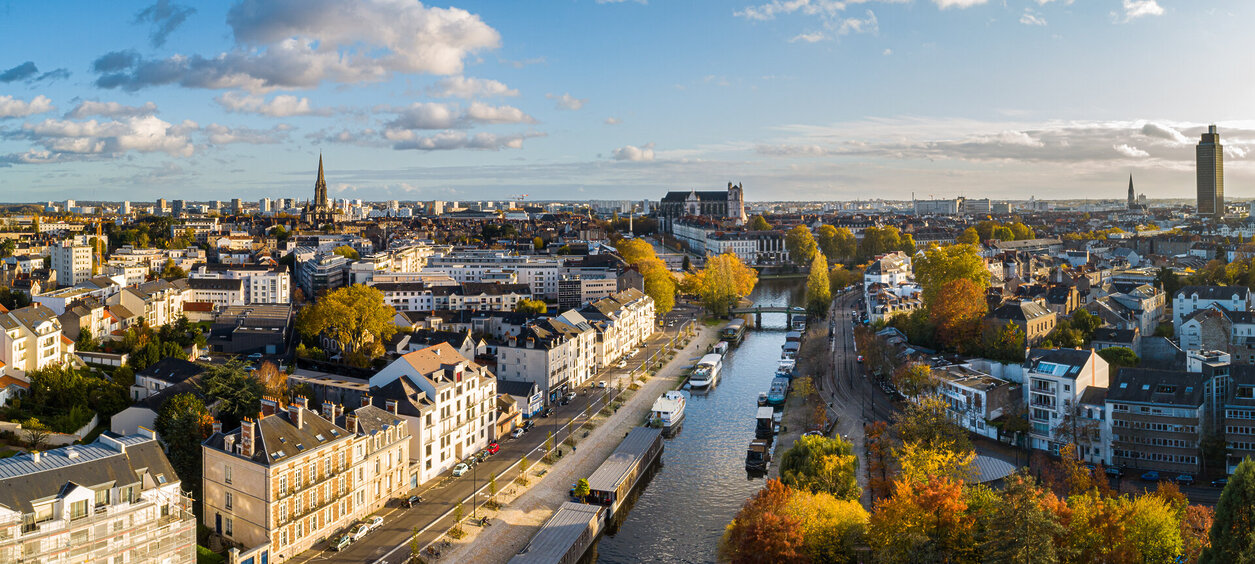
(802, 100)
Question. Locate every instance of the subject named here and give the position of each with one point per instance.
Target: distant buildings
(72, 263)
(1210, 165)
(720, 206)
(319, 210)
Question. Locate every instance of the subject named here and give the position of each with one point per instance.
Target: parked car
(412, 501)
(527, 425)
(622, 364)
(493, 447)
(1115, 471)
(1185, 480)
(546, 412)
(461, 469)
(341, 543)
(358, 531)
(256, 356)
(570, 396)
(1219, 482)
(601, 384)
(518, 432)
(1151, 476)
(374, 522)
(204, 358)
(860, 359)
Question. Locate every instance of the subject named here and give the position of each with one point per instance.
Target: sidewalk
(513, 526)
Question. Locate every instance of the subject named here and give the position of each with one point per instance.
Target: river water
(680, 514)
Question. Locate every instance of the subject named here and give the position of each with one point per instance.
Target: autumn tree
(582, 490)
(758, 223)
(1153, 530)
(942, 265)
(818, 290)
(354, 316)
(958, 317)
(839, 277)
(660, 285)
(346, 252)
(827, 239)
(531, 307)
(922, 522)
(1024, 529)
(821, 464)
(762, 532)
(801, 245)
(1231, 538)
(919, 462)
(1194, 528)
(183, 423)
(878, 241)
(832, 529)
(274, 382)
(723, 282)
(969, 236)
(879, 445)
(927, 421)
(914, 379)
(1021, 232)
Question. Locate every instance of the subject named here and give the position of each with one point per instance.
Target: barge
(610, 485)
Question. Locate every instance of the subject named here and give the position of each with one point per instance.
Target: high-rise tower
(1210, 163)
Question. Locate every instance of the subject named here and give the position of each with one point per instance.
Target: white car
(517, 433)
(358, 531)
(622, 364)
(204, 358)
(601, 384)
(374, 522)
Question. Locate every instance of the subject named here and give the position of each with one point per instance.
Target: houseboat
(785, 367)
(734, 332)
(615, 478)
(706, 374)
(790, 349)
(668, 411)
(765, 426)
(762, 399)
(721, 348)
(758, 455)
(779, 391)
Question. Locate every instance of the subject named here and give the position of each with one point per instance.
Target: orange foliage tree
(763, 531)
(957, 314)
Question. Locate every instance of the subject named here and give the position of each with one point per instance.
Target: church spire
(320, 187)
(1132, 196)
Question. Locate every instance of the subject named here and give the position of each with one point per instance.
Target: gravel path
(515, 524)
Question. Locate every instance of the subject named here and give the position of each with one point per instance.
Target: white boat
(721, 348)
(785, 367)
(706, 374)
(668, 410)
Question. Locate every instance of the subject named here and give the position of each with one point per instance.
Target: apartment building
(403, 258)
(1054, 382)
(320, 271)
(1032, 316)
(1238, 409)
(293, 477)
(219, 292)
(541, 273)
(622, 322)
(558, 354)
(975, 398)
(116, 500)
(155, 259)
(261, 284)
(31, 339)
(448, 401)
(1193, 298)
(72, 263)
(157, 303)
(575, 290)
(1156, 420)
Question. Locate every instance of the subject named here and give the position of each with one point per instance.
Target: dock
(565, 537)
(615, 478)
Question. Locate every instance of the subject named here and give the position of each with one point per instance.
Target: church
(716, 205)
(319, 210)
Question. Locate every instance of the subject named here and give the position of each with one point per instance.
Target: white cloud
(567, 101)
(1138, 8)
(1164, 132)
(632, 153)
(223, 135)
(1029, 18)
(464, 87)
(813, 37)
(280, 106)
(1130, 151)
(887, 52)
(64, 139)
(435, 115)
(613, 121)
(855, 25)
(1235, 151)
(770, 10)
(947, 4)
(450, 140)
(89, 108)
(302, 43)
(483, 113)
(11, 107)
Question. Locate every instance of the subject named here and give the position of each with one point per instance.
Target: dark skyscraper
(1210, 163)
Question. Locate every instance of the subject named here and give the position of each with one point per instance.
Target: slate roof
(1214, 292)
(1111, 335)
(171, 370)
(1024, 310)
(1165, 387)
(141, 461)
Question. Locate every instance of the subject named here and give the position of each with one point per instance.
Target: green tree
(581, 489)
(1021, 232)
(238, 394)
(356, 317)
(35, 433)
(801, 245)
(171, 271)
(827, 238)
(818, 289)
(1002, 233)
(347, 252)
(1006, 343)
(538, 244)
(1120, 356)
(941, 265)
(1231, 538)
(969, 236)
(928, 422)
(1024, 530)
(757, 223)
(183, 423)
(821, 464)
(530, 306)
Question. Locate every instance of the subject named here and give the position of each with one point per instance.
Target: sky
(621, 99)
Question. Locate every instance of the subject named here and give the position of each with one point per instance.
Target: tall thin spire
(320, 187)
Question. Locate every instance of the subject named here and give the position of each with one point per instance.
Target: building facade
(72, 263)
(1210, 174)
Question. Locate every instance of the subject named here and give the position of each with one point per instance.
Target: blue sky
(583, 99)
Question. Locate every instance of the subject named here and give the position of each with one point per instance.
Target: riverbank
(526, 510)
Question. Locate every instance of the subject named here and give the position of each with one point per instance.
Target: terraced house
(293, 477)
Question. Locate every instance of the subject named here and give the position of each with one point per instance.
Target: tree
(920, 463)
(686, 264)
(35, 433)
(757, 223)
(879, 446)
(958, 317)
(1120, 356)
(941, 265)
(914, 379)
(346, 252)
(839, 277)
(1021, 232)
(1024, 529)
(762, 532)
(1194, 528)
(926, 421)
(818, 290)
(531, 307)
(581, 489)
(1230, 535)
(832, 528)
(273, 381)
(827, 238)
(821, 464)
(416, 546)
(356, 317)
(172, 272)
(183, 423)
(801, 244)
(1152, 529)
(723, 282)
(636, 251)
(538, 244)
(660, 285)
(968, 237)
(922, 522)
(239, 395)
(1005, 343)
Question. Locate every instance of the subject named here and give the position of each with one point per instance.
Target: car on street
(493, 447)
(570, 396)
(1151, 476)
(256, 356)
(411, 501)
(622, 364)
(1115, 471)
(517, 432)
(546, 412)
(341, 543)
(1185, 480)
(1219, 482)
(461, 469)
(374, 522)
(358, 531)
(204, 358)
(860, 359)
(601, 384)
(527, 425)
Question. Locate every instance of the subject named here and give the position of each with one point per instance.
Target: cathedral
(319, 210)
(1134, 204)
(717, 205)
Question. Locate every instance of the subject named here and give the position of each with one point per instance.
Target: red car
(493, 448)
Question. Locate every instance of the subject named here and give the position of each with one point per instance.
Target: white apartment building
(291, 478)
(622, 321)
(261, 284)
(1054, 382)
(404, 258)
(1193, 298)
(219, 292)
(157, 302)
(31, 339)
(975, 398)
(72, 263)
(115, 501)
(541, 273)
(558, 354)
(448, 401)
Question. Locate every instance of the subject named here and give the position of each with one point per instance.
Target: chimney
(246, 437)
(328, 410)
(217, 427)
(269, 406)
(350, 423)
(296, 413)
(365, 400)
(392, 406)
(35, 457)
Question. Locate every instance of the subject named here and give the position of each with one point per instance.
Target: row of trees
(721, 284)
(839, 245)
(986, 230)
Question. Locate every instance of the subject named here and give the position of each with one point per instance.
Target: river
(680, 514)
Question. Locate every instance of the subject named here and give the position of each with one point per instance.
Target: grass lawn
(206, 556)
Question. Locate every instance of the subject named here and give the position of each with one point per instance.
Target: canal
(681, 512)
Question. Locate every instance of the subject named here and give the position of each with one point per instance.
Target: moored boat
(758, 455)
(706, 374)
(779, 391)
(668, 410)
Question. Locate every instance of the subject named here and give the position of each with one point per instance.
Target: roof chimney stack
(246, 438)
(296, 412)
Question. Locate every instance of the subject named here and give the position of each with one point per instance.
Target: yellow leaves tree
(723, 282)
(832, 528)
(273, 380)
(920, 462)
(922, 522)
(941, 265)
(660, 285)
(356, 317)
(818, 289)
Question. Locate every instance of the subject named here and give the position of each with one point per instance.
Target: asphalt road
(390, 543)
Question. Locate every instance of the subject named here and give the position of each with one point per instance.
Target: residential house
(528, 397)
(975, 398)
(1054, 382)
(1034, 319)
(31, 339)
(1193, 298)
(1156, 420)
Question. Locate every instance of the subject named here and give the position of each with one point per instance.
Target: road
(390, 543)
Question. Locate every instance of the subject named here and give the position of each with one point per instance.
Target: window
(78, 509)
(226, 473)
(228, 526)
(102, 497)
(229, 499)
